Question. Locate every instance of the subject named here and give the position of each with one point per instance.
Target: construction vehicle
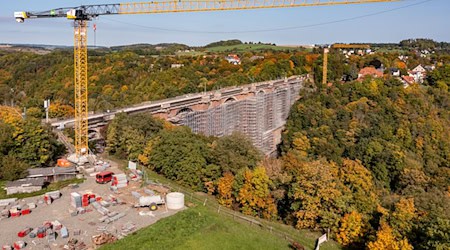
(81, 15)
(337, 46)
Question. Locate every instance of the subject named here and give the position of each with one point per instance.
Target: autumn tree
(404, 217)
(386, 240)
(350, 228)
(254, 195)
(224, 189)
(317, 198)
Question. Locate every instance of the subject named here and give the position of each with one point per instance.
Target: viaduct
(258, 110)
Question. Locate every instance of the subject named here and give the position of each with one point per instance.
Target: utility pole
(47, 107)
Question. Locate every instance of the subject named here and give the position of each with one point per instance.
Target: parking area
(122, 217)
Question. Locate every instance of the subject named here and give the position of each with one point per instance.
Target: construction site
(106, 207)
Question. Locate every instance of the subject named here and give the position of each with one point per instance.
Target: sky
(375, 22)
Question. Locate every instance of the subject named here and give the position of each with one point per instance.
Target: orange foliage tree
(225, 188)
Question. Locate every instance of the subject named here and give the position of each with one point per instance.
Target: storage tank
(175, 200)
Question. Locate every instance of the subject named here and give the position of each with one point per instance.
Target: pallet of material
(64, 232)
(54, 194)
(114, 218)
(6, 202)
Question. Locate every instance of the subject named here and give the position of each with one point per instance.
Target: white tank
(147, 200)
(175, 200)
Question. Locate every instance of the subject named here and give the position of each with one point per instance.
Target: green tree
(234, 152)
(12, 168)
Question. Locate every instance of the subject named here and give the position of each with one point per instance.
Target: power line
(274, 29)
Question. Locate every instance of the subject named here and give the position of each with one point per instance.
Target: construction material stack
(75, 200)
(119, 181)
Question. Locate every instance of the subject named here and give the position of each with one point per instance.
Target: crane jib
(87, 12)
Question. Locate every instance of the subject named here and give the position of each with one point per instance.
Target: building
(28, 185)
(369, 71)
(394, 71)
(407, 81)
(233, 59)
(176, 65)
(418, 73)
(52, 174)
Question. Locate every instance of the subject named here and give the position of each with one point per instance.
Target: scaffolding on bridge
(256, 117)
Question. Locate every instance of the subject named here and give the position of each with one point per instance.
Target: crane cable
(269, 30)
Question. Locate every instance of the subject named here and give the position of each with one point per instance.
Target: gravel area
(88, 223)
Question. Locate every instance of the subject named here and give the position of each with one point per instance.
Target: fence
(210, 202)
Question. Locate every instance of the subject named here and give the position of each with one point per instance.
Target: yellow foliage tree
(386, 240)
(301, 144)
(10, 115)
(350, 229)
(225, 188)
(403, 218)
(57, 109)
(254, 195)
(360, 182)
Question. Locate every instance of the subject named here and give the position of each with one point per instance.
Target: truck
(151, 202)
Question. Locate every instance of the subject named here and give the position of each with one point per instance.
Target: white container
(175, 200)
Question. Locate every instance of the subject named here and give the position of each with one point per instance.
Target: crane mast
(81, 15)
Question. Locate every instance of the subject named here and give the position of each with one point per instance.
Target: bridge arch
(230, 99)
(184, 110)
(260, 92)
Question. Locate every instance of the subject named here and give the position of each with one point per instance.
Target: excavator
(81, 15)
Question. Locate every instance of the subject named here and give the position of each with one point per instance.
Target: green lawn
(199, 228)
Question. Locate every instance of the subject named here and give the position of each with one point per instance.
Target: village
(107, 206)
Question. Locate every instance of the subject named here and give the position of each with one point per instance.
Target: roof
(26, 182)
(370, 71)
(408, 79)
(35, 172)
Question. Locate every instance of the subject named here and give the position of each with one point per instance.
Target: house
(430, 67)
(394, 71)
(52, 174)
(420, 69)
(27, 185)
(176, 65)
(418, 73)
(407, 81)
(369, 71)
(233, 59)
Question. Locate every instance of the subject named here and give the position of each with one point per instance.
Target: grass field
(248, 47)
(200, 228)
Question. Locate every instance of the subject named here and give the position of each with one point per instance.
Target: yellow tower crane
(337, 46)
(81, 15)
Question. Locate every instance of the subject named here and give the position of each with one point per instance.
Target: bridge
(258, 110)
